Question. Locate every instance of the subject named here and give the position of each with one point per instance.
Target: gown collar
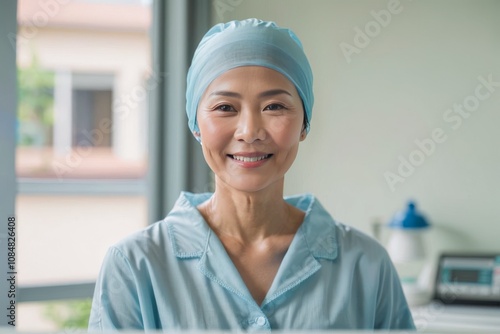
(191, 237)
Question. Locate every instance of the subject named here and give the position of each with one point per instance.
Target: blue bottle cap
(409, 219)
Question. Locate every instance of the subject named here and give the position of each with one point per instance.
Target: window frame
(8, 119)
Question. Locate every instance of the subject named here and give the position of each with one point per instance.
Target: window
(91, 109)
(81, 155)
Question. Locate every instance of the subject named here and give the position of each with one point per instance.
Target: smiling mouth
(249, 159)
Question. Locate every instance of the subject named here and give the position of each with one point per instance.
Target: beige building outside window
(84, 73)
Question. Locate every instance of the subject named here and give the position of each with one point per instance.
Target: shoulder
(142, 244)
(352, 238)
(321, 227)
(181, 232)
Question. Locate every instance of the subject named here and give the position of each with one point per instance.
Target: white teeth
(249, 159)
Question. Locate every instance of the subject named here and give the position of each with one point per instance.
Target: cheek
(286, 132)
(214, 133)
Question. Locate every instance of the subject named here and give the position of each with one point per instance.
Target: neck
(248, 216)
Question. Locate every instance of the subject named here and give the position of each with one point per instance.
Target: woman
(244, 257)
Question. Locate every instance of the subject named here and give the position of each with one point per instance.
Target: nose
(250, 126)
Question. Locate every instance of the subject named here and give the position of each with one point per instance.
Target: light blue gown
(176, 274)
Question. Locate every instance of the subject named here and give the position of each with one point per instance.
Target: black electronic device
(472, 279)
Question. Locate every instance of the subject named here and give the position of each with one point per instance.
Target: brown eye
(224, 107)
(274, 106)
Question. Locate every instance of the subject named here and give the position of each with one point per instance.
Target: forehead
(251, 77)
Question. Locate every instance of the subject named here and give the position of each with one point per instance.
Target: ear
(197, 136)
(303, 135)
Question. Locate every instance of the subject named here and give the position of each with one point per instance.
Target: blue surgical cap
(250, 42)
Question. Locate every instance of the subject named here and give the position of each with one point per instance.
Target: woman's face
(251, 122)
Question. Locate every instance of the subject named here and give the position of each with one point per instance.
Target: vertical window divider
(8, 111)
(176, 161)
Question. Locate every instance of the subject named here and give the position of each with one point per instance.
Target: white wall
(396, 90)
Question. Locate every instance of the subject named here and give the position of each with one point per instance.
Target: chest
(259, 264)
(198, 301)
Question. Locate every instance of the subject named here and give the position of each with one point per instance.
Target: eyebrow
(266, 93)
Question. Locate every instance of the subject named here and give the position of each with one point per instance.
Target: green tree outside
(69, 315)
(36, 105)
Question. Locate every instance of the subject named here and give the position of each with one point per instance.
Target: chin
(250, 184)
